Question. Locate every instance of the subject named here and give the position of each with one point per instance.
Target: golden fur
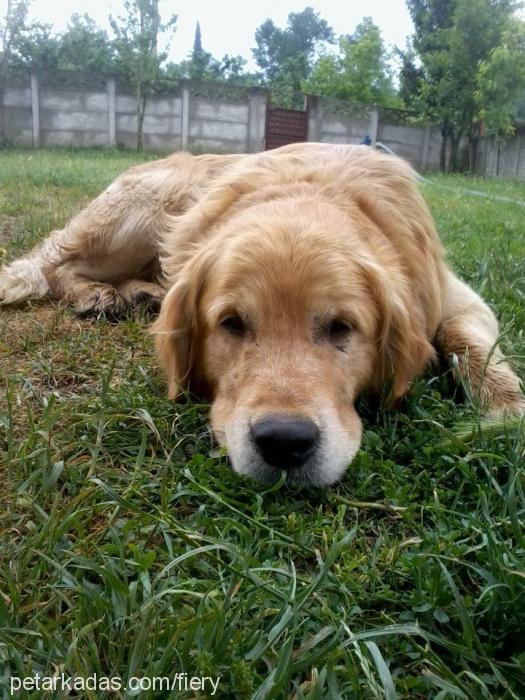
(293, 280)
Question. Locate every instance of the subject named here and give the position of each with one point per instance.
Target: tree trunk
(447, 133)
(445, 139)
(455, 140)
(443, 153)
(2, 117)
(472, 154)
(141, 108)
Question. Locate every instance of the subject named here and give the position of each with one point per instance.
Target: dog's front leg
(469, 330)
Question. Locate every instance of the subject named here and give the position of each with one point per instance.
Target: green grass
(129, 548)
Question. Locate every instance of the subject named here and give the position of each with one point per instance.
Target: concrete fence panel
(222, 120)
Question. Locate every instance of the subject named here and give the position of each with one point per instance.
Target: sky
(229, 27)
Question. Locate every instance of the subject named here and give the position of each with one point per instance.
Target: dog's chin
(315, 472)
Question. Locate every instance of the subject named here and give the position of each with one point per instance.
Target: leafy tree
(286, 56)
(501, 82)
(410, 76)
(430, 18)
(201, 62)
(136, 44)
(37, 49)
(232, 68)
(360, 72)
(454, 39)
(197, 41)
(85, 47)
(421, 70)
(11, 26)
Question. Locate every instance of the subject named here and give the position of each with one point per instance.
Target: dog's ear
(395, 206)
(403, 346)
(178, 326)
(173, 338)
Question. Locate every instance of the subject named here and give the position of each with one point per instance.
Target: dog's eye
(339, 329)
(234, 324)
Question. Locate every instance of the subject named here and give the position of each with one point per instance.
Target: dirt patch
(45, 349)
(46, 345)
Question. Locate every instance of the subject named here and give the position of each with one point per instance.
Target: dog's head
(281, 319)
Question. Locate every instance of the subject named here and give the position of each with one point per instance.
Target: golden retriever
(289, 282)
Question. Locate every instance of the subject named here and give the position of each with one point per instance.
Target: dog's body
(293, 280)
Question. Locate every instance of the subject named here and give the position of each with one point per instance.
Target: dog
(288, 282)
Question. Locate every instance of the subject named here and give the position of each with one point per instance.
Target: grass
(128, 548)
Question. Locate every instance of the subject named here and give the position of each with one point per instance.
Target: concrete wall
(162, 122)
(36, 115)
(73, 117)
(420, 145)
(18, 116)
(42, 116)
(504, 159)
(326, 125)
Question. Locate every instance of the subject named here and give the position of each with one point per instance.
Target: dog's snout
(285, 442)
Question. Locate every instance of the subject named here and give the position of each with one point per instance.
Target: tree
(10, 27)
(200, 61)
(501, 82)
(410, 77)
(360, 72)
(85, 48)
(203, 67)
(136, 44)
(286, 56)
(197, 41)
(37, 49)
(454, 39)
(201, 64)
(432, 19)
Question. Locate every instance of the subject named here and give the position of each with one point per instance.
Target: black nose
(283, 441)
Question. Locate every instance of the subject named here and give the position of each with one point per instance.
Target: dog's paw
(22, 280)
(146, 300)
(103, 301)
(142, 294)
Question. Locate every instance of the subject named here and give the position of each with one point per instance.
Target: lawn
(128, 548)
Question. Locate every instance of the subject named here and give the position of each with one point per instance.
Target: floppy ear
(177, 327)
(408, 296)
(404, 348)
(173, 338)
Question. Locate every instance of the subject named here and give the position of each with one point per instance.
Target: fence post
(112, 121)
(257, 99)
(374, 125)
(315, 117)
(35, 110)
(185, 115)
(518, 153)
